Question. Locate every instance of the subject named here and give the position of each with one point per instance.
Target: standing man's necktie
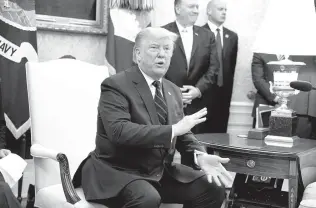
(219, 48)
(281, 57)
(161, 106)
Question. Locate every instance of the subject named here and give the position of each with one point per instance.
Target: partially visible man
(304, 103)
(227, 47)
(7, 198)
(262, 75)
(140, 125)
(194, 64)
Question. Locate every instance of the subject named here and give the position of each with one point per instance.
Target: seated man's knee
(214, 191)
(151, 199)
(141, 194)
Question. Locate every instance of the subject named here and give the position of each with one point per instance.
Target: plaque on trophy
(283, 120)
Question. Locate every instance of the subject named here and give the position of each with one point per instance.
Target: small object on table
(258, 133)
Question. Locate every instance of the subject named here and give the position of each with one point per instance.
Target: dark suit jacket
(262, 73)
(204, 65)
(219, 113)
(2, 137)
(304, 103)
(230, 48)
(2, 122)
(130, 142)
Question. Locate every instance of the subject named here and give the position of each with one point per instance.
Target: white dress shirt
(150, 81)
(213, 28)
(187, 40)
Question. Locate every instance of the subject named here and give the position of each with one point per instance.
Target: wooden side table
(254, 157)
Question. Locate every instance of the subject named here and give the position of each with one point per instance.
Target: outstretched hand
(213, 168)
(188, 122)
(4, 152)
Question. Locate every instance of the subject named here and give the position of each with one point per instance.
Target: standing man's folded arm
(261, 84)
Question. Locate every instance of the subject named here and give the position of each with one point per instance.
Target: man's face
(217, 12)
(188, 11)
(154, 56)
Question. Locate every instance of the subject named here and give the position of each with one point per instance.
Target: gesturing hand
(185, 98)
(188, 122)
(213, 168)
(4, 152)
(189, 92)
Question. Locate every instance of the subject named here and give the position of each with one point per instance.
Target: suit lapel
(226, 41)
(144, 92)
(226, 38)
(195, 41)
(179, 43)
(207, 26)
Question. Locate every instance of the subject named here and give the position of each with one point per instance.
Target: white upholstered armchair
(63, 98)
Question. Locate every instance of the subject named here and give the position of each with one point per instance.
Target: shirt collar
(181, 28)
(213, 27)
(148, 79)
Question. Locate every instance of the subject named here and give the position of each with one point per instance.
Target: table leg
(293, 184)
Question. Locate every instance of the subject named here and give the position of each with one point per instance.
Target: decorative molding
(97, 26)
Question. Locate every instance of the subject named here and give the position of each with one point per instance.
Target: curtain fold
(17, 46)
(126, 19)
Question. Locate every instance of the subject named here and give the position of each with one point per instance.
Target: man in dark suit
(304, 103)
(194, 64)
(262, 74)
(7, 198)
(140, 124)
(227, 47)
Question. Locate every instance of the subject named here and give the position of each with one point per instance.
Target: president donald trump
(140, 125)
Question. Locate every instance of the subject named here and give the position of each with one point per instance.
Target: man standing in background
(304, 103)
(262, 74)
(194, 64)
(227, 47)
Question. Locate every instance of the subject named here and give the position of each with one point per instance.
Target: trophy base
(258, 133)
(283, 124)
(283, 113)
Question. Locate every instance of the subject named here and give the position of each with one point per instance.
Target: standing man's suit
(262, 73)
(202, 70)
(304, 103)
(220, 103)
(131, 144)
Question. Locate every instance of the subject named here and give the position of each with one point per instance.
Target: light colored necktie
(219, 48)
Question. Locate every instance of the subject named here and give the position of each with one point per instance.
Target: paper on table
(12, 167)
(285, 185)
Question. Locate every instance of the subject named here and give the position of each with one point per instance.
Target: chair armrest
(39, 151)
(71, 195)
